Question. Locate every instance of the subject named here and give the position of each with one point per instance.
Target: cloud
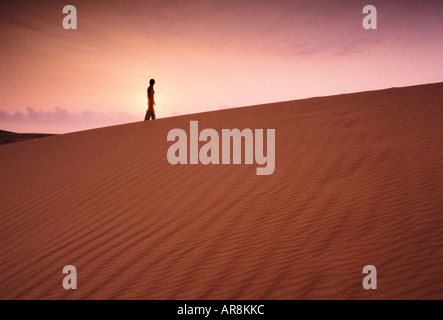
(60, 114)
(59, 120)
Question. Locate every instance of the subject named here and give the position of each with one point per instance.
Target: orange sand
(358, 180)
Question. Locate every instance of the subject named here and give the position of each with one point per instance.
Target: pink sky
(204, 55)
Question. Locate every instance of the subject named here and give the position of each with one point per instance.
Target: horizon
(204, 56)
(50, 114)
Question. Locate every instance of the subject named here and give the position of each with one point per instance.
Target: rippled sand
(358, 181)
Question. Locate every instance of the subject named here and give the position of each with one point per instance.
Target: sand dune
(11, 137)
(358, 181)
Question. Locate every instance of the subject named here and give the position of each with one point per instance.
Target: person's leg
(153, 115)
(148, 115)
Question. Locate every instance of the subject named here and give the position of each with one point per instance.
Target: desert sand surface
(358, 181)
(12, 137)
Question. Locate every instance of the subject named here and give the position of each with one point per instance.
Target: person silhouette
(150, 113)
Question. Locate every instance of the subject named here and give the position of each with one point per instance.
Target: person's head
(151, 82)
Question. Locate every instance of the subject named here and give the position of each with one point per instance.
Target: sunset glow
(204, 55)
